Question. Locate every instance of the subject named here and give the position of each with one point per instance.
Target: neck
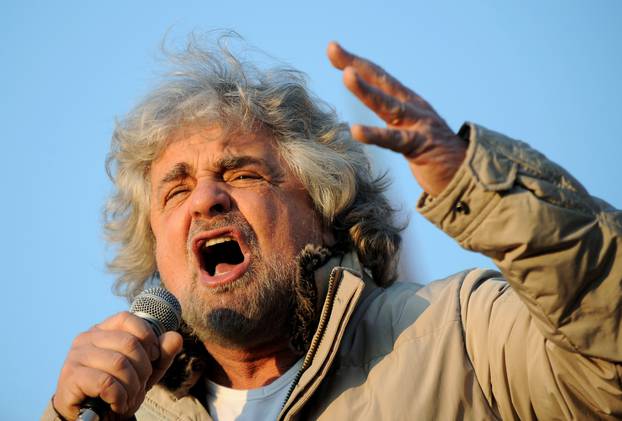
(249, 368)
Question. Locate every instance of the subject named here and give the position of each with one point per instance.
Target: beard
(256, 308)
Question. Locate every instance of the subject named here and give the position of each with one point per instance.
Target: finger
(136, 326)
(369, 71)
(90, 382)
(410, 143)
(339, 56)
(115, 364)
(170, 345)
(123, 343)
(387, 107)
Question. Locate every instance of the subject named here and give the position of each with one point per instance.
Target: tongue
(223, 268)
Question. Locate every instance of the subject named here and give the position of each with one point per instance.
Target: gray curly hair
(212, 86)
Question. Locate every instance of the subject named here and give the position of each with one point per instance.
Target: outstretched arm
(551, 345)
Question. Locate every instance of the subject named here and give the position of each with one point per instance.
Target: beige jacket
(541, 342)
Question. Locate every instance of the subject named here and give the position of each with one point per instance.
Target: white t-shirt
(263, 403)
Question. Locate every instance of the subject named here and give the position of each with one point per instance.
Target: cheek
(303, 225)
(171, 243)
(309, 229)
(172, 268)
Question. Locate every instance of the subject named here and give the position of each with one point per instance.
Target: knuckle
(67, 371)
(130, 343)
(132, 323)
(398, 136)
(124, 317)
(81, 338)
(106, 383)
(119, 362)
(74, 358)
(409, 136)
(116, 396)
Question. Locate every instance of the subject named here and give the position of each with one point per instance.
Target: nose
(209, 199)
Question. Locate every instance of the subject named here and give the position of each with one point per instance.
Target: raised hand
(414, 128)
(117, 360)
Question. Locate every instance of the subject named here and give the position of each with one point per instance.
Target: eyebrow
(234, 162)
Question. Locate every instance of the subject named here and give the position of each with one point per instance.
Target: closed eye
(242, 177)
(176, 192)
(246, 177)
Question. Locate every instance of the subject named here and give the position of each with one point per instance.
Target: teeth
(217, 240)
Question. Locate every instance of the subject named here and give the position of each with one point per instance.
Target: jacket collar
(343, 289)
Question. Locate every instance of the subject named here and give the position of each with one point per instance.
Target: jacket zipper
(319, 334)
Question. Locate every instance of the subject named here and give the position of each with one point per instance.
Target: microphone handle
(93, 409)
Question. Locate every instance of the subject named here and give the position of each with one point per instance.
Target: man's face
(229, 219)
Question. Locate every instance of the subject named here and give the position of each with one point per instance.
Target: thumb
(170, 345)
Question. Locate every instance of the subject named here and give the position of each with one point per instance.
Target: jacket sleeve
(549, 344)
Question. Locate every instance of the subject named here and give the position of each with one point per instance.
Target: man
(251, 203)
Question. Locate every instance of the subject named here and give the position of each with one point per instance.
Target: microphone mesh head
(159, 304)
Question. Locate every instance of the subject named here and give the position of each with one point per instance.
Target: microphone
(162, 312)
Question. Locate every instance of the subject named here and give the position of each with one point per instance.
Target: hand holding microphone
(119, 359)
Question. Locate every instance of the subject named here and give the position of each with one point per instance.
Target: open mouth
(220, 255)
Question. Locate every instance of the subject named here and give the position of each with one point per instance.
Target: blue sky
(545, 72)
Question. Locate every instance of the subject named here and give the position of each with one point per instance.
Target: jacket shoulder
(405, 311)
